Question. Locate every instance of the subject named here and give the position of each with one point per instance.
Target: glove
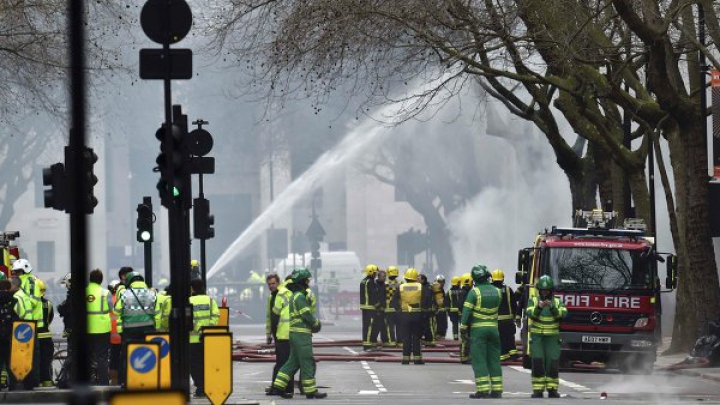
(518, 322)
(316, 328)
(464, 335)
(268, 339)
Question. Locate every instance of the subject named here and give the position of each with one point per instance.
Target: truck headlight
(641, 343)
(641, 322)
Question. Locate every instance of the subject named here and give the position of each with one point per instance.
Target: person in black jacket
(7, 316)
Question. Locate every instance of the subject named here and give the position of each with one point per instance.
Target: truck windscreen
(588, 269)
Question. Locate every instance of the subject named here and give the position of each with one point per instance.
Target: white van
(340, 271)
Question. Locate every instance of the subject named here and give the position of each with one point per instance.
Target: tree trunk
(698, 294)
(583, 185)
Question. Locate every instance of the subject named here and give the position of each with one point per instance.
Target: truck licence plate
(596, 339)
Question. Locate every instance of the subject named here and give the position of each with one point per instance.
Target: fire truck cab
(9, 251)
(608, 279)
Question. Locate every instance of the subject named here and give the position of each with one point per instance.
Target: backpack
(7, 315)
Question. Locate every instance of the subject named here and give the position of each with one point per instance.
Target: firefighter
(465, 287)
(441, 318)
(25, 311)
(544, 313)
(507, 317)
(115, 340)
(368, 305)
(45, 340)
(452, 300)
(429, 311)
(391, 298)
(411, 317)
(479, 325)
(98, 327)
(379, 324)
(302, 325)
(205, 313)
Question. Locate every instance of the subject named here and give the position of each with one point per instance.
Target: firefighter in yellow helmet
(369, 305)
(452, 298)
(466, 284)
(392, 297)
(411, 316)
(507, 316)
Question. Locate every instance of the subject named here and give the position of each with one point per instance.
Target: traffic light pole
(203, 257)
(147, 246)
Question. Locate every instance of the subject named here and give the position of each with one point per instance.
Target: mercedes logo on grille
(596, 318)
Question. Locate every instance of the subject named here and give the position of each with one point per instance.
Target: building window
(45, 257)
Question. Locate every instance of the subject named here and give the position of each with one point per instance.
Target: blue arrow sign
(142, 359)
(164, 346)
(23, 333)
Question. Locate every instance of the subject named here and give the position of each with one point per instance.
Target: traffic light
(87, 160)
(56, 197)
(202, 220)
(173, 164)
(144, 223)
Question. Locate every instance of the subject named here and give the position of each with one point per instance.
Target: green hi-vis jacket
(481, 306)
(546, 321)
(301, 316)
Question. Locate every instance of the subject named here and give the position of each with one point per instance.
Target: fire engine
(608, 279)
(10, 251)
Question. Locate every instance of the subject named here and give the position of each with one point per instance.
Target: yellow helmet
(41, 286)
(466, 279)
(194, 263)
(393, 271)
(455, 281)
(371, 270)
(411, 274)
(498, 275)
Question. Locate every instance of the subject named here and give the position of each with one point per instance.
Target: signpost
(143, 366)
(163, 339)
(224, 317)
(218, 368)
(22, 348)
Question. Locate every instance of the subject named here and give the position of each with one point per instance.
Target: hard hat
(66, 280)
(22, 264)
(466, 279)
(545, 283)
(498, 275)
(163, 282)
(194, 263)
(41, 286)
(411, 274)
(113, 285)
(440, 278)
(393, 271)
(480, 273)
(133, 276)
(371, 270)
(299, 275)
(455, 281)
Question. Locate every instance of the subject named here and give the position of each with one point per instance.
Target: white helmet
(22, 264)
(66, 281)
(440, 278)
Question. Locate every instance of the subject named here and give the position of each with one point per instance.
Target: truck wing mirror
(520, 278)
(671, 266)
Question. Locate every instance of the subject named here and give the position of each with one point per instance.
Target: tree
(597, 62)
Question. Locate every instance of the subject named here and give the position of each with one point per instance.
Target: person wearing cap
(98, 327)
(45, 341)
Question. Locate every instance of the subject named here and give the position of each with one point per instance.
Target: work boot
(316, 395)
(419, 362)
(479, 395)
(495, 394)
(537, 394)
(553, 394)
(276, 392)
(199, 394)
(406, 362)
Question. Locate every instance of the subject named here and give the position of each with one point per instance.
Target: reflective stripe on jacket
(546, 321)
(302, 319)
(31, 288)
(205, 313)
(25, 306)
(48, 315)
(480, 309)
(410, 297)
(137, 306)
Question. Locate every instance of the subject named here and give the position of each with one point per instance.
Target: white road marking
(375, 379)
(569, 384)
(353, 352)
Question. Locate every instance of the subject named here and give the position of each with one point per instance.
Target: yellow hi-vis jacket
(282, 309)
(205, 313)
(545, 321)
(31, 288)
(98, 309)
(25, 307)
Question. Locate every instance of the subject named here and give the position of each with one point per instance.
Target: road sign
(224, 317)
(217, 350)
(166, 21)
(22, 348)
(148, 398)
(165, 373)
(154, 64)
(143, 366)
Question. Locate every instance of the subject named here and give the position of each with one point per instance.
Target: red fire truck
(9, 250)
(608, 279)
